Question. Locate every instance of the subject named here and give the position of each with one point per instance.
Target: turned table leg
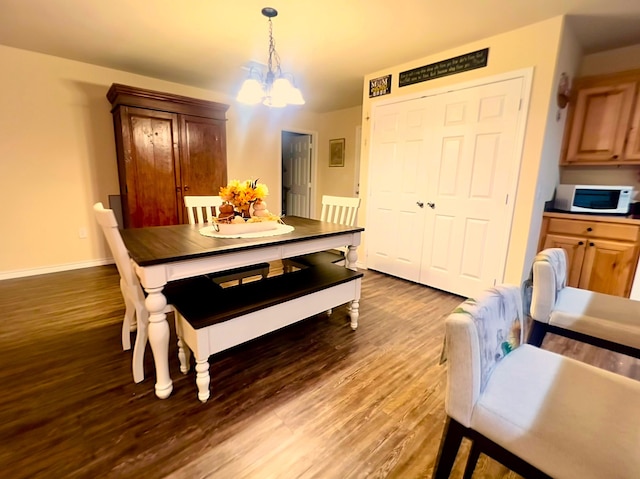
(202, 378)
(354, 307)
(351, 258)
(155, 303)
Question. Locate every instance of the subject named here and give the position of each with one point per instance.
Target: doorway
(297, 174)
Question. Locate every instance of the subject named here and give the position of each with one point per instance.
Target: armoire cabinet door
(203, 162)
(150, 140)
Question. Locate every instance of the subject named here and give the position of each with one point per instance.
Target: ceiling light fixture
(273, 88)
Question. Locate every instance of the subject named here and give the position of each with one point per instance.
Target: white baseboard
(21, 273)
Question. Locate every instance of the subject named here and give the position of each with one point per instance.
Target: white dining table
(162, 254)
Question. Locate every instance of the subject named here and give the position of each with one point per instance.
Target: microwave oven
(599, 199)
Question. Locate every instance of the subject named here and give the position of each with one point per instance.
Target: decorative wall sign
(380, 86)
(462, 63)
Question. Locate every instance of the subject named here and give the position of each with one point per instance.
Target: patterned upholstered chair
(526, 407)
(606, 321)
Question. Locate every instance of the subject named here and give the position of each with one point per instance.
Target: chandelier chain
(273, 55)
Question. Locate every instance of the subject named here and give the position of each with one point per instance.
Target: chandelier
(273, 89)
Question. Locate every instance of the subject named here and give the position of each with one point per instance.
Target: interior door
(297, 175)
(471, 166)
(397, 187)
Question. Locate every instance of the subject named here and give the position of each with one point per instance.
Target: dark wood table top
(164, 244)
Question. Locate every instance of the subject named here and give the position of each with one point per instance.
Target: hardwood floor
(314, 400)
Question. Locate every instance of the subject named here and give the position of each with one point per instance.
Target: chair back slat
(339, 209)
(107, 221)
(202, 209)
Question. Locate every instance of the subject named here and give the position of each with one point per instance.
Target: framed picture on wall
(336, 152)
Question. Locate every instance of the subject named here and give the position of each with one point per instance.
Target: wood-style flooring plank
(313, 400)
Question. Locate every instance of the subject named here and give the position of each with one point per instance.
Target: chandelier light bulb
(273, 89)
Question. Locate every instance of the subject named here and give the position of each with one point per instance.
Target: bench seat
(212, 320)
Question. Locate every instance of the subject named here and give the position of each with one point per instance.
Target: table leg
(155, 303)
(354, 313)
(351, 258)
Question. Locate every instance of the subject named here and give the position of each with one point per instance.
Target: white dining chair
(202, 209)
(340, 210)
(136, 316)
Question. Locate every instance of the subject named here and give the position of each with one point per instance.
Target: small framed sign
(380, 86)
(336, 152)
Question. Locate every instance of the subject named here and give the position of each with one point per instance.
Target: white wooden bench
(210, 320)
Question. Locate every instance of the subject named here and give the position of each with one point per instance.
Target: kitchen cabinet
(602, 124)
(167, 146)
(602, 252)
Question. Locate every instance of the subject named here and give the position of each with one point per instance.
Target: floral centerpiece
(244, 201)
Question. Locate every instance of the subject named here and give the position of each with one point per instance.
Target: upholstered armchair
(606, 321)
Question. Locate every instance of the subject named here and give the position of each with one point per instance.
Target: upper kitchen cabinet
(602, 125)
(167, 146)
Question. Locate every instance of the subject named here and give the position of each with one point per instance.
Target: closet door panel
(395, 219)
(472, 163)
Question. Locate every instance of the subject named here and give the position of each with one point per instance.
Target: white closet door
(395, 222)
(472, 158)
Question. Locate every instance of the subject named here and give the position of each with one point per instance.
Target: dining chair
(202, 209)
(539, 413)
(603, 320)
(136, 316)
(340, 210)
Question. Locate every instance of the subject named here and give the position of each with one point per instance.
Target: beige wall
(620, 59)
(337, 181)
(58, 155)
(534, 46)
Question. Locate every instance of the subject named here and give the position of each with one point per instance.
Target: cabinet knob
(589, 228)
(591, 244)
(580, 243)
(178, 189)
(614, 157)
(186, 187)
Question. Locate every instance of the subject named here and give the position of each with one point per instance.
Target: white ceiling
(329, 45)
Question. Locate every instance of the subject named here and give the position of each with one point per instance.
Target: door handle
(431, 205)
(420, 204)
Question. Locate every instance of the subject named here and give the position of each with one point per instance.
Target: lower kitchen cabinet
(602, 252)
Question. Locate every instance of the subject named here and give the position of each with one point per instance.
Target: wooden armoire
(168, 146)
